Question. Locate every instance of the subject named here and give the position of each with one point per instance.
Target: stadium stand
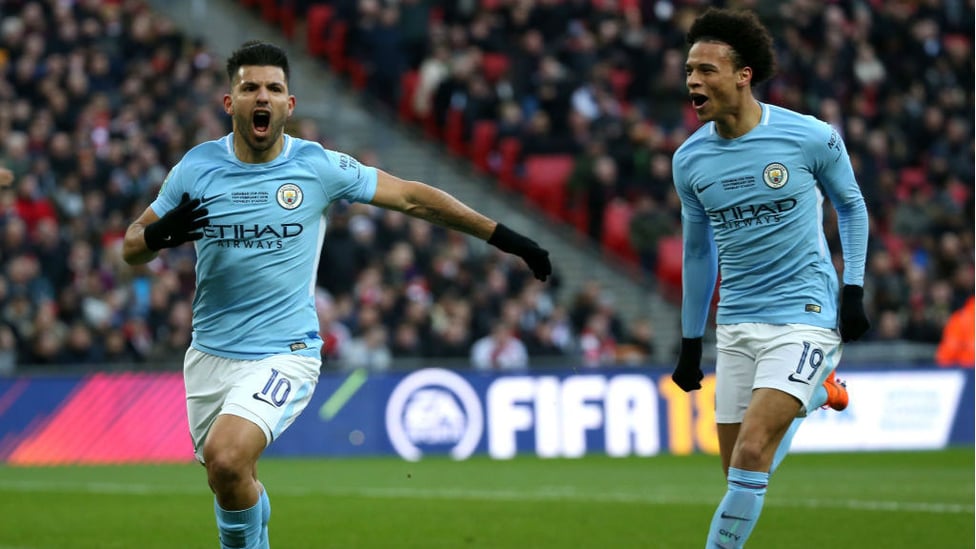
(98, 100)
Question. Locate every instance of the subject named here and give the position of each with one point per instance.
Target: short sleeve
(344, 177)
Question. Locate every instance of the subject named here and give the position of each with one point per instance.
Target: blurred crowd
(99, 98)
(603, 81)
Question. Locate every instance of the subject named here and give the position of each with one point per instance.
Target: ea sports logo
(289, 196)
(776, 175)
(434, 408)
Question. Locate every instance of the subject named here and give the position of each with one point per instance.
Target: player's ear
(291, 104)
(228, 104)
(745, 76)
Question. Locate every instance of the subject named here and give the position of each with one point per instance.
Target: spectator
(501, 350)
(369, 351)
(957, 345)
(649, 223)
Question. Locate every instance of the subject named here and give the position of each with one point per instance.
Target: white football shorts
(270, 392)
(793, 358)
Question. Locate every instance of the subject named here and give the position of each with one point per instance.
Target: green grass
(815, 501)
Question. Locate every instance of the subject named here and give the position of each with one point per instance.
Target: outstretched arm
(431, 204)
(440, 208)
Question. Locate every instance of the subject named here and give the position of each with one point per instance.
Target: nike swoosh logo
(262, 398)
(798, 380)
(733, 517)
(205, 199)
(701, 188)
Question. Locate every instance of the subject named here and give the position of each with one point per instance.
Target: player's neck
(741, 121)
(248, 155)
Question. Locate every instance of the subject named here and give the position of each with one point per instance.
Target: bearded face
(259, 105)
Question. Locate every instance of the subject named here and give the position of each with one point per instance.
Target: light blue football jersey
(257, 261)
(757, 201)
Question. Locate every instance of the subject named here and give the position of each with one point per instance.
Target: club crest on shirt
(289, 196)
(775, 175)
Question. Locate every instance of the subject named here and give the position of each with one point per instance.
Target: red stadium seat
(508, 153)
(336, 45)
(408, 86)
(494, 66)
(454, 132)
(317, 21)
(269, 11)
(620, 82)
(482, 142)
(286, 19)
(911, 179)
(357, 74)
(669, 262)
(545, 179)
(616, 230)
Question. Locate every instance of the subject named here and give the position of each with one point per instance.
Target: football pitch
(864, 500)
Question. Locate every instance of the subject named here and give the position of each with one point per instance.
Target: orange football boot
(837, 397)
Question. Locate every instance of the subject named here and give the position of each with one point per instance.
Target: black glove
(536, 258)
(179, 225)
(853, 321)
(688, 374)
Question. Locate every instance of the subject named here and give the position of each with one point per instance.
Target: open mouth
(698, 100)
(261, 121)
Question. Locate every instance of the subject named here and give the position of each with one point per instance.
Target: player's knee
(749, 454)
(227, 467)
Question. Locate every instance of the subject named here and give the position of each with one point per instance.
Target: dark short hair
(751, 44)
(256, 52)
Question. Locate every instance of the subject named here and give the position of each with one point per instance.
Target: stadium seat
(911, 179)
(431, 128)
(545, 179)
(336, 45)
(509, 149)
(482, 142)
(286, 19)
(616, 230)
(454, 132)
(357, 74)
(408, 86)
(620, 82)
(494, 66)
(578, 214)
(269, 11)
(669, 262)
(317, 20)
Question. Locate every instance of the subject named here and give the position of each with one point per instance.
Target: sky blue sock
(265, 504)
(739, 510)
(784, 445)
(239, 529)
(818, 399)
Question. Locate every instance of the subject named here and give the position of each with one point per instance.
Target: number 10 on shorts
(276, 390)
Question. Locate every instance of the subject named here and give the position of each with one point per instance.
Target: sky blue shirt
(753, 207)
(257, 262)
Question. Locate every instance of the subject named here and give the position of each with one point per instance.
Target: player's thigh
(273, 392)
(735, 371)
(797, 359)
(208, 380)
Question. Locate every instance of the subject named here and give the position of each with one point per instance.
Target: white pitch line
(554, 493)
